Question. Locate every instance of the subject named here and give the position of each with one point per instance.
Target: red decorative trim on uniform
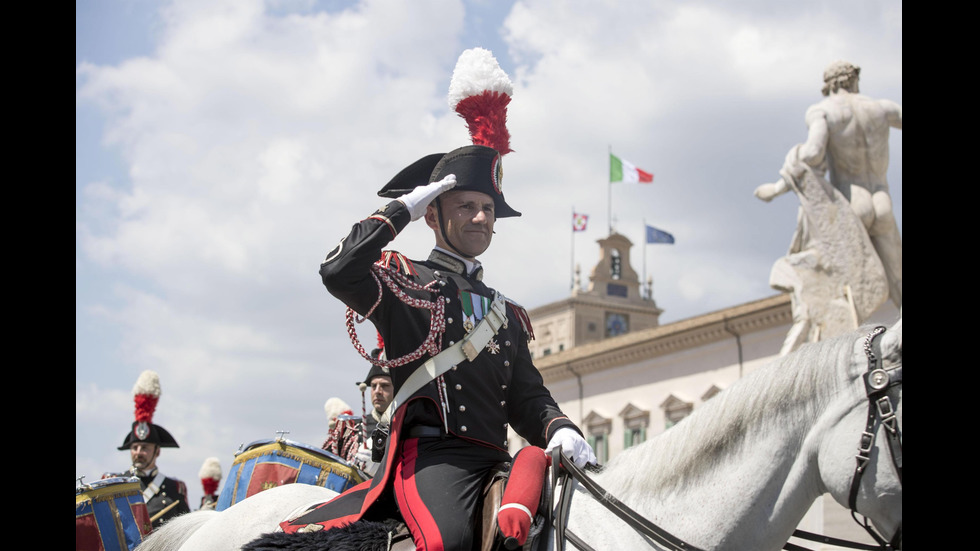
(395, 261)
(547, 428)
(417, 517)
(525, 320)
(397, 282)
(394, 232)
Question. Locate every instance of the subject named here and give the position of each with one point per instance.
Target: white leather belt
(467, 349)
(153, 487)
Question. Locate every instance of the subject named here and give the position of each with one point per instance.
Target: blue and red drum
(110, 515)
(266, 464)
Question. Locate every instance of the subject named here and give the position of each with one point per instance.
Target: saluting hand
(420, 197)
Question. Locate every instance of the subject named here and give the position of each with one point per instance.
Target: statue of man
(848, 136)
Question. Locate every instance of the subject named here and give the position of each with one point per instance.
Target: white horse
(739, 473)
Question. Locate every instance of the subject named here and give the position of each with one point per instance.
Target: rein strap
(620, 509)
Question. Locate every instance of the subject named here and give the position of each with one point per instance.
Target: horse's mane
(790, 391)
(175, 532)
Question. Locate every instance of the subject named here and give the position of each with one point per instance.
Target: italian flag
(621, 170)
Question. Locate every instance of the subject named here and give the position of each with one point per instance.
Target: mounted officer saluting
(460, 364)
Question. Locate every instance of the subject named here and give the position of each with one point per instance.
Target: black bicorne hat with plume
(479, 93)
(146, 394)
(375, 370)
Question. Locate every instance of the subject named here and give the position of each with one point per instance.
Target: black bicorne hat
(477, 168)
(376, 370)
(479, 93)
(150, 433)
(146, 393)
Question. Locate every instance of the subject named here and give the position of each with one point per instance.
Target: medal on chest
(474, 308)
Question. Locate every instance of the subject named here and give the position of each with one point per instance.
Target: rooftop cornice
(666, 339)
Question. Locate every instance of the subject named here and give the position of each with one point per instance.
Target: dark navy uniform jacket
(481, 398)
(171, 490)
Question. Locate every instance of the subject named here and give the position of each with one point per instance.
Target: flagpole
(571, 284)
(609, 192)
(644, 280)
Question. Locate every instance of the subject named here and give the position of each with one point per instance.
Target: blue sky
(223, 147)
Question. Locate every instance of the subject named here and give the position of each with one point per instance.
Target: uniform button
(452, 343)
(462, 408)
(463, 428)
(506, 343)
(504, 387)
(459, 387)
(455, 367)
(506, 363)
(502, 404)
(449, 320)
(437, 273)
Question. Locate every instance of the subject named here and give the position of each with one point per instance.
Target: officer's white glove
(572, 444)
(420, 197)
(363, 456)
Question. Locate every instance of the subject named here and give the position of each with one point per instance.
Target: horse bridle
(879, 384)
(881, 387)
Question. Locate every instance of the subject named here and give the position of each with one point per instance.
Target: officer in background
(350, 436)
(378, 380)
(165, 497)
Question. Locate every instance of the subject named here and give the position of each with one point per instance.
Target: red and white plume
(480, 92)
(146, 394)
(334, 407)
(210, 475)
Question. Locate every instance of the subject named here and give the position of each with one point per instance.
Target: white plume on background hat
(334, 407)
(211, 469)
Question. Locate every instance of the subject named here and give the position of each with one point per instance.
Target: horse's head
(869, 480)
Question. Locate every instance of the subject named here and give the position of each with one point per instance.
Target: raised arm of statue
(814, 151)
(893, 112)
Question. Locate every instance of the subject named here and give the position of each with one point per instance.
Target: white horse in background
(738, 474)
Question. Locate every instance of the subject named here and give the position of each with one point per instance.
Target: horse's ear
(891, 341)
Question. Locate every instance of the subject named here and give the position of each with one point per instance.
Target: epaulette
(395, 261)
(522, 316)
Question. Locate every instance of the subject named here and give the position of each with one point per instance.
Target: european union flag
(658, 236)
